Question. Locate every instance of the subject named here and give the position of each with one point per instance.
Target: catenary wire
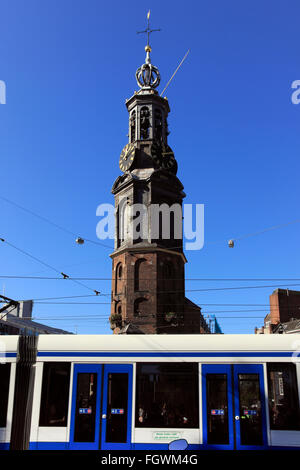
(267, 307)
(85, 318)
(173, 305)
(171, 291)
(274, 227)
(65, 276)
(52, 223)
(8, 276)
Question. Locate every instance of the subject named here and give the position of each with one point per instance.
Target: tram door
(117, 407)
(85, 414)
(101, 407)
(233, 406)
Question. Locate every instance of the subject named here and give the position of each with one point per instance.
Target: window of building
(283, 397)
(4, 389)
(118, 278)
(167, 395)
(158, 124)
(132, 126)
(144, 122)
(120, 271)
(140, 275)
(55, 394)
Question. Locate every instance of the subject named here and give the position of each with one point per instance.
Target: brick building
(284, 313)
(148, 263)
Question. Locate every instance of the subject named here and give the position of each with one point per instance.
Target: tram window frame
(158, 388)
(4, 392)
(55, 393)
(286, 420)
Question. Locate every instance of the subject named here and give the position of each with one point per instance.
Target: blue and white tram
(145, 391)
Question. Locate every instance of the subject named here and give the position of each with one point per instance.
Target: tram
(95, 392)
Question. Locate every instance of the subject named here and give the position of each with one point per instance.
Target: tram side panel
(283, 390)
(149, 427)
(51, 405)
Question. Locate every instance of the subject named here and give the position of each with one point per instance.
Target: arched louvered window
(140, 273)
(118, 278)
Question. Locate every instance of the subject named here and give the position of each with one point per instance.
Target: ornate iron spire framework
(148, 76)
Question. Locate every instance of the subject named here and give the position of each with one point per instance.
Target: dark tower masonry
(148, 288)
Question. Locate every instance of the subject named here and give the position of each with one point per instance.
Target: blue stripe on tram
(164, 354)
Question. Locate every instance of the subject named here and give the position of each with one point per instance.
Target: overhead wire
(170, 306)
(274, 227)
(104, 317)
(77, 280)
(8, 276)
(165, 292)
(41, 301)
(62, 297)
(64, 276)
(53, 223)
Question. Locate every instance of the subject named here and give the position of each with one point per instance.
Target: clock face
(168, 159)
(127, 157)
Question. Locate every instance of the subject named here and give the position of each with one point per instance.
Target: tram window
(167, 395)
(217, 409)
(55, 394)
(283, 397)
(4, 389)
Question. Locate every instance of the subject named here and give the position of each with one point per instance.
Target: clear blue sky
(69, 65)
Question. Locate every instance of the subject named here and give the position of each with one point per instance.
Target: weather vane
(148, 31)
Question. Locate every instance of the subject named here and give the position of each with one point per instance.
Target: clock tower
(148, 285)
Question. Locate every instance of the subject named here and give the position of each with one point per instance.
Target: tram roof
(166, 343)
(169, 343)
